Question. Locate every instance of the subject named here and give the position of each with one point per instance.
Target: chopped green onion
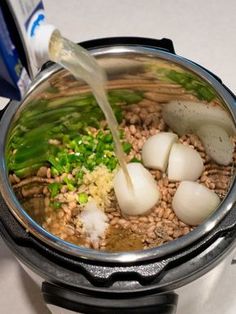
(108, 138)
(134, 159)
(56, 205)
(69, 183)
(127, 147)
(83, 198)
(54, 188)
(190, 82)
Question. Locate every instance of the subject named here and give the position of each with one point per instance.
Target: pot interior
(59, 151)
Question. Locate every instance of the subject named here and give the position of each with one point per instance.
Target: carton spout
(41, 43)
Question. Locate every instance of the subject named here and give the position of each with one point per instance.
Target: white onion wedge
(185, 163)
(217, 143)
(187, 116)
(156, 149)
(193, 202)
(144, 195)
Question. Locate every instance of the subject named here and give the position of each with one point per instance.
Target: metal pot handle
(163, 303)
(162, 44)
(13, 227)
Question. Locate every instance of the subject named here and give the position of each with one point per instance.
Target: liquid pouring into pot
(83, 66)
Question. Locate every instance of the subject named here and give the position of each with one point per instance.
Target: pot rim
(91, 254)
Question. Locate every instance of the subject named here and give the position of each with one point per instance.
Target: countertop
(203, 31)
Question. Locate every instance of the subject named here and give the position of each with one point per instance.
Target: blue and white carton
(19, 21)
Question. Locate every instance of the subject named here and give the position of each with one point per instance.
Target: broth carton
(19, 22)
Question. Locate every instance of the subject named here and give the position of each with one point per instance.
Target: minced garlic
(98, 184)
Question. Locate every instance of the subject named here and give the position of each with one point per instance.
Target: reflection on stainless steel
(158, 77)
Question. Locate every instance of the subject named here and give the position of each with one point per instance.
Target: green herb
(111, 164)
(54, 189)
(190, 82)
(108, 138)
(135, 160)
(127, 147)
(65, 119)
(26, 171)
(79, 177)
(69, 183)
(56, 205)
(83, 198)
(54, 171)
(125, 96)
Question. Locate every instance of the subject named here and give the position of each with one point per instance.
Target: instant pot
(87, 281)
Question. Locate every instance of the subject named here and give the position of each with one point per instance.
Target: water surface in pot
(60, 152)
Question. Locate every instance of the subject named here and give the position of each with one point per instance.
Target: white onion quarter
(144, 195)
(156, 149)
(185, 163)
(193, 202)
(217, 143)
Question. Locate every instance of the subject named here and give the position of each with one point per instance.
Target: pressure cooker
(84, 280)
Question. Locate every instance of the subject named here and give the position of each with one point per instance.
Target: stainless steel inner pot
(128, 67)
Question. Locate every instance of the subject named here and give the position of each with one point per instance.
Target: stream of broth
(83, 66)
